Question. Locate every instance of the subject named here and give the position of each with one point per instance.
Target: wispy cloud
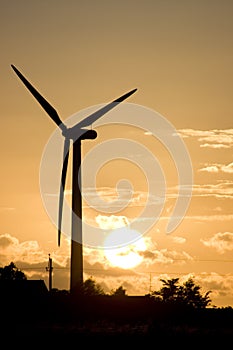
(142, 198)
(223, 189)
(221, 241)
(179, 240)
(108, 197)
(211, 218)
(210, 138)
(227, 168)
(215, 168)
(210, 168)
(6, 209)
(214, 145)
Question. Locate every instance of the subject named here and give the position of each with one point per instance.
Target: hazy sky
(83, 53)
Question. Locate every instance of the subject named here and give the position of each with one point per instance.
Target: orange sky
(81, 54)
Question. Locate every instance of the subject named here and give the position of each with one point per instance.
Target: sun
(123, 248)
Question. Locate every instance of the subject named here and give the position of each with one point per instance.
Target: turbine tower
(77, 133)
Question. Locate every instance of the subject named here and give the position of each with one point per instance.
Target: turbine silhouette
(77, 133)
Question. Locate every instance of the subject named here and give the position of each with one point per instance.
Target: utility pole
(49, 268)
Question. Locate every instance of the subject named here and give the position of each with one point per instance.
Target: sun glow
(124, 247)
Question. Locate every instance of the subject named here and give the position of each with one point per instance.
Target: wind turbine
(77, 133)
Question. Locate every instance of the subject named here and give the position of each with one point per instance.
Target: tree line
(172, 291)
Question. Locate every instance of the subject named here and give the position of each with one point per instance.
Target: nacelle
(89, 134)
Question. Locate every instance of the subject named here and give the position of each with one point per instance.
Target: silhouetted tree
(187, 294)
(169, 292)
(190, 294)
(90, 287)
(120, 291)
(11, 272)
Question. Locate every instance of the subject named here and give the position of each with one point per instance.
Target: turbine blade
(44, 104)
(62, 185)
(96, 115)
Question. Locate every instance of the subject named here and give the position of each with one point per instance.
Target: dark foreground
(110, 322)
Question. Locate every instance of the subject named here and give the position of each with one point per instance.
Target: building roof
(23, 288)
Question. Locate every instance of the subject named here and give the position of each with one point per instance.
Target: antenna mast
(49, 268)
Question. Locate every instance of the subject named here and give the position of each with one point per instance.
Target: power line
(175, 259)
(180, 273)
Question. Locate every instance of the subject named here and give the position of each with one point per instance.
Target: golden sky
(81, 54)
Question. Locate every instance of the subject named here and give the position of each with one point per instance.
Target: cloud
(6, 241)
(106, 271)
(210, 138)
(222, 242)
(179, 240)
(214, 145)
(211, 218)
(221, 286)
(97, 262)
(34, 259)
(223, 189)
(218, 137)
(210, 169)
(142, 199)
(165, 257)
(111, 222)
(116, 199)
(227, 168)
(26, 253)
(215, 168)
(195, 133)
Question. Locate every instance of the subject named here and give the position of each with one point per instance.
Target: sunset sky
(82, 54)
